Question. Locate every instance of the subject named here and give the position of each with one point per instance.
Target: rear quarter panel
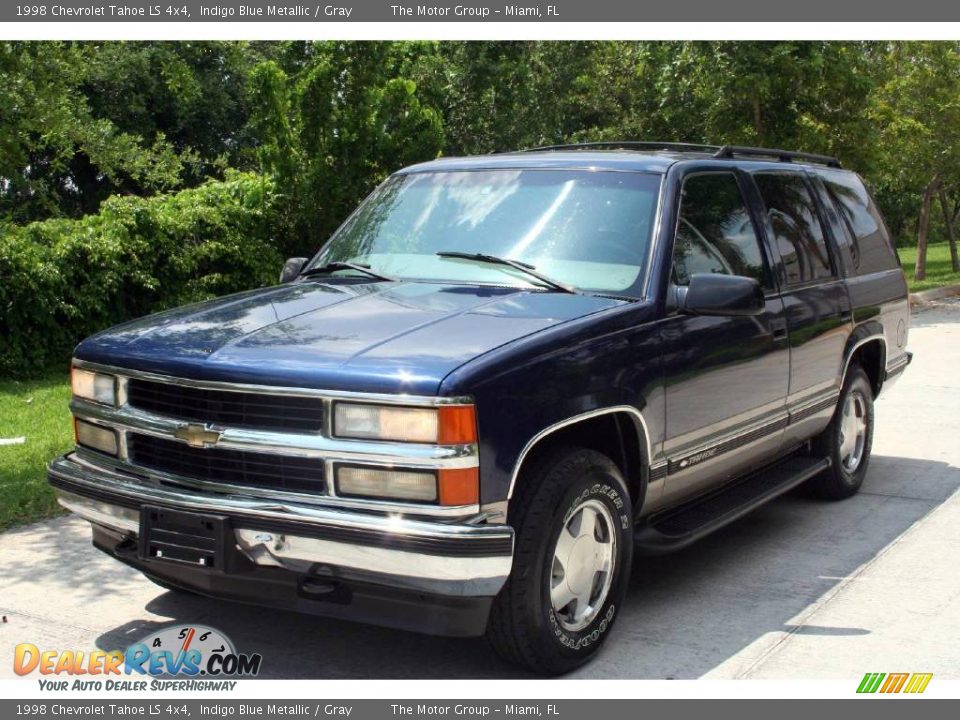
(879, 300)
(881, 307)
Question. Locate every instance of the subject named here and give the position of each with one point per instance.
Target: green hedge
(61, 280)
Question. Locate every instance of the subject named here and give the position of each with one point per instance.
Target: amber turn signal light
(459, 487)
(458, 425)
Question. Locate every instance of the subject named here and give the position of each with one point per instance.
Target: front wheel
(574, 544)
(848, 439)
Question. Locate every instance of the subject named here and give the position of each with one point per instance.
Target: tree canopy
(327, 121)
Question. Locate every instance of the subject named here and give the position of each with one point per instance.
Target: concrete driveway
(799, 589)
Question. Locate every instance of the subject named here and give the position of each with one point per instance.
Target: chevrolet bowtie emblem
(197, 436)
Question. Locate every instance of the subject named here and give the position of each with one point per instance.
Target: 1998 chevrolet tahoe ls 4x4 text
(500, 378)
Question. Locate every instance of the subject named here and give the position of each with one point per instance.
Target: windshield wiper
(339, 265)
(516, 264)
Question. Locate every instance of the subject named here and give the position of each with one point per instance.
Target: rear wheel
(574, 544)
(848, 439)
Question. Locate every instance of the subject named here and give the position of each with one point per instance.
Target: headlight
(94, 386)
(447, 424)
(95, 436)
(385, 422)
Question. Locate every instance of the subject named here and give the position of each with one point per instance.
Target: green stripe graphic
(871, 682)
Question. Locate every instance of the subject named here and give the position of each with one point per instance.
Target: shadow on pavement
(685, 613)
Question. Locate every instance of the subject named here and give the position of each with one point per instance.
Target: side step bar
(678, 527)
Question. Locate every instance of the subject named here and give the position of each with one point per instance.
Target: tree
(917, 108)
(805, 95)
(46, 125)
(194, 94)
(333, 130)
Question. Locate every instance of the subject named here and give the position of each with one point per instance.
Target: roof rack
(629, 145)
(731, 151)
(725, 152)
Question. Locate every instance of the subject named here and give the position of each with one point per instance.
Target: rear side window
(870, 245)
(714, 232)
(796, 226)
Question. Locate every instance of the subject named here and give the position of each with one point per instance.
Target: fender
(864, 333)
(639, 423)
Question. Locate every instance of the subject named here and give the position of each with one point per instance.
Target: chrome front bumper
(441, 558)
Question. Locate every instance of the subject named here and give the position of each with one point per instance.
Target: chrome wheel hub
(853, 431)
(583, 565)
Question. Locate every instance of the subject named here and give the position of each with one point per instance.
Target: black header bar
(578, 11)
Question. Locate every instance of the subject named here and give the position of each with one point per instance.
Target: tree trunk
(920, 271)
(948, 221)
(757, 120)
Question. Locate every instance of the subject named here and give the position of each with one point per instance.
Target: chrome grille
(273, 440)
(232, 467)
(227, 407)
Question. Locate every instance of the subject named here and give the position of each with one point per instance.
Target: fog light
(387, 484)
(95, 437)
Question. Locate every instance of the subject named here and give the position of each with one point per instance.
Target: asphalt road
(799, 589)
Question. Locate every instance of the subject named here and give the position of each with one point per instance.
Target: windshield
(588, 229)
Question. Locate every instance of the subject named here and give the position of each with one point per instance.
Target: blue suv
(500, 379)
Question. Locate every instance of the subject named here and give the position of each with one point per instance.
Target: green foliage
(333, 129)
(505, 95)
(808, 95)
(916, 108)
(48, 134)
(327, 121)
(66, 279)
(82, 121)
(501, 95)
(192, 93)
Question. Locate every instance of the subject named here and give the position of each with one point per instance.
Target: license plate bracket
(189, 538)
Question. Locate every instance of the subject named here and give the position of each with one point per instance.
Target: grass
(37, 411)
(939, 272)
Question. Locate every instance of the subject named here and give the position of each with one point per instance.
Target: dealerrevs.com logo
(176, 657)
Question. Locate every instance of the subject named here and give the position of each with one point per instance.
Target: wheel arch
(870, 352)
(619, 432)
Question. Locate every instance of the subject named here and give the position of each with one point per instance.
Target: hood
(367, 337)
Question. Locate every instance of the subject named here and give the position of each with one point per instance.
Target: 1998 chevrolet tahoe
(501, 378)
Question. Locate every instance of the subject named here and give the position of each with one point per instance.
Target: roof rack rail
(731, 151)
(628, 145)
(724, 152)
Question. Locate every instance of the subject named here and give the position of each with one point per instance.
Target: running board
(678, 527)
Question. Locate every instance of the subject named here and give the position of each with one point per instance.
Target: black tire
(840, 480)
(553, 491)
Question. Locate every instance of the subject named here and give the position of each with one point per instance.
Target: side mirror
(291, 269)
(724, 295)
